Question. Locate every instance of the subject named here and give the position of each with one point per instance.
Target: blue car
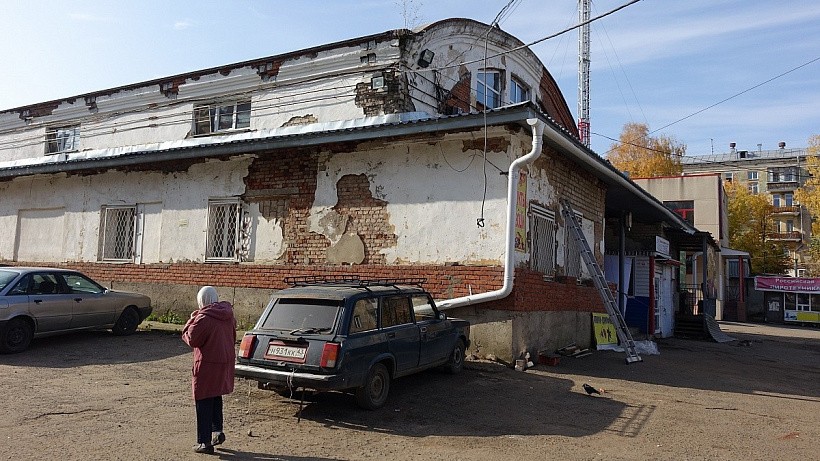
(346, 333)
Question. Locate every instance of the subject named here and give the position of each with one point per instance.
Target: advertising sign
(604, 329)
(803, 285)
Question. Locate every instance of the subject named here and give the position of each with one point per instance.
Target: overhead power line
(512, 50)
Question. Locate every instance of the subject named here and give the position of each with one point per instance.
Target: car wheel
(374, 392)
(17, 336)
(456, 362)
(127, 323)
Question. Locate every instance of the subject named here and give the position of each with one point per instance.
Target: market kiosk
(790, 300)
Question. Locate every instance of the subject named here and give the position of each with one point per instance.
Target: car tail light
(329, 354)
(246, 346)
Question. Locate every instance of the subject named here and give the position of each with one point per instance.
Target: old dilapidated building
(401, 154)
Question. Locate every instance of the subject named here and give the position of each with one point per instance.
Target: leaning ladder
(624, 336)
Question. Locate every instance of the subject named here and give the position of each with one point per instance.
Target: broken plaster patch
(348, 250)
(329, 223)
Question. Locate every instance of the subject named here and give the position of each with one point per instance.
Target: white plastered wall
(433, 193)
(173, 205)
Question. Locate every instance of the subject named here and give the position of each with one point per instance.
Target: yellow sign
(604, 329)
(521, 214)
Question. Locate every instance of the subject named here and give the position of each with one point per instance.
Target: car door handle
(391, 335)
(38, 301)
(423, 329)
(78, 299)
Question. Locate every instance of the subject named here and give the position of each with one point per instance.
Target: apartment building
(778, 174)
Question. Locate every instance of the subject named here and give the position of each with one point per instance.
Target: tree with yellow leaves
(643, 156)
(750, 218)
(808, 195)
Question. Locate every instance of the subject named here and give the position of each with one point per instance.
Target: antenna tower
(583, 71)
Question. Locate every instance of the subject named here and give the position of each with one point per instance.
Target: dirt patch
(97, 396)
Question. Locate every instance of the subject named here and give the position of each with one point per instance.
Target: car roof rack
(350, 281)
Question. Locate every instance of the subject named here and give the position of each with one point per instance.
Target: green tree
(808, 195)
(644, 156)
(750, 219)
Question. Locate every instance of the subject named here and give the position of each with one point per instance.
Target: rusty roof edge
(390, 34)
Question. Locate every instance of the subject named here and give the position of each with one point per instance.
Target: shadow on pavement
(485, 400)
(98, 347)
(765, 360)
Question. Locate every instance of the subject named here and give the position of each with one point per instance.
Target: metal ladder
(624, 336)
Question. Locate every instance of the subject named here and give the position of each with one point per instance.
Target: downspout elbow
(509, 239)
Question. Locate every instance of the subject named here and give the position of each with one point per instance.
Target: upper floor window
(782, 175)
(62, 139)
(684, 208)
(752, 176)
(728, 176)
(488, 94)
(753, 189)
(215, 118)
(518, 91)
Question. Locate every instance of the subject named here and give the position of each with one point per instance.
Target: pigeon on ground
(591, 390)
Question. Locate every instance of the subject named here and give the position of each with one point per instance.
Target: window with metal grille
(572, 254)
(223, 230)
(62, 139)
(215, 118)
(542, 235)
(118, 233)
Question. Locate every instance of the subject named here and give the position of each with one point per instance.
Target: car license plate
(278, 350)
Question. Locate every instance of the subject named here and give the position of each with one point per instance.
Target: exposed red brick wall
(367, 216)
(530, 291)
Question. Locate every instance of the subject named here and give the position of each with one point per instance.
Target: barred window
(215, 118)
(62, 139)
(118, 233)
(223, 230)
(542, 235)
(572, 254)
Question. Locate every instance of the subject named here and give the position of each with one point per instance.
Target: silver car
(40, 301)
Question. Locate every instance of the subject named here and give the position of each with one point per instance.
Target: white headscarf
(207, 295)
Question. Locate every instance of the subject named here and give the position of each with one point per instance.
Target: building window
(572, 254)
(217, 118)
(488, 94)
(728, 176)
(753, 188)
(789, 225)
(224, 218)
(62, 139)
(751, 176)
(118, 225)
(789, 199)
(685, 208)
(776, 200)
(518, 91)
(542, 237)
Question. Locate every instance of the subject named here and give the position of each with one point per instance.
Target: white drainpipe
(512, 190)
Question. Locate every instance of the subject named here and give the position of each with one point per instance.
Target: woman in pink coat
(211, 332)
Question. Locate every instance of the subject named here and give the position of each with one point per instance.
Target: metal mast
(583, 71)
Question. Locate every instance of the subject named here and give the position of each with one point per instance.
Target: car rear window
(6, 277)
(303, 315)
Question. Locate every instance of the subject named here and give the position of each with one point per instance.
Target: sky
(703, 72)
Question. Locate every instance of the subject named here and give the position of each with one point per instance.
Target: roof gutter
(509, 238)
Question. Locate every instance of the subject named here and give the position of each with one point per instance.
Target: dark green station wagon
(345, 333)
